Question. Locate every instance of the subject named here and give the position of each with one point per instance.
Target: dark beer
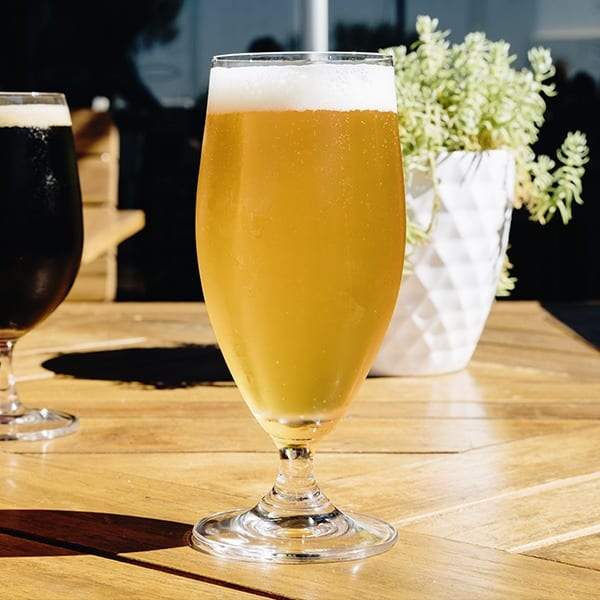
(41, 230)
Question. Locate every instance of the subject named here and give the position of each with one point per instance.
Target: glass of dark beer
(40, 240)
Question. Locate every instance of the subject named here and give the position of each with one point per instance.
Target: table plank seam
(90, 550)
(564, 329)
(356, 418)
(560, 562)
(587, 352)
(434, 418)
(513, 494)
(360, 418)
(473, 544)
(118, 342)
(562, 376)
(567, 536)
(593, 424)
(440, 453)
(546, 333)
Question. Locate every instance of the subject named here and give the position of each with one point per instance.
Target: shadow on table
(65, 532)
(162, 368)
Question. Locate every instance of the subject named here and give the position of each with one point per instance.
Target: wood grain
(418, 567)
(243, 434)
(94, 133)
(534, 517)
(99, 179)
(97, 146)
(37, 571)
(491, 474)
(254, 474)
(583, 550)
(96, 280)
(105, 228)
(408, 496)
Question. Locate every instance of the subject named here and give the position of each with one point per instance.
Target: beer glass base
(36, 424)
(251, 536)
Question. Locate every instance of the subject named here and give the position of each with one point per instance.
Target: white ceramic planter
(450, 285)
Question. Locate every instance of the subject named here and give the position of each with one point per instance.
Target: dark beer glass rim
(245, 59)
(24, 97)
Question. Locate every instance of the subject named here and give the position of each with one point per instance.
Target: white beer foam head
(40, 116)
(302, 87)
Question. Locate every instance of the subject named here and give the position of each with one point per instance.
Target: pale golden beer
(300, 228)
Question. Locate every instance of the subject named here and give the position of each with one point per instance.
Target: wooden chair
(105, 227)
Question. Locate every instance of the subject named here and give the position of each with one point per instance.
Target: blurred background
(146, 62)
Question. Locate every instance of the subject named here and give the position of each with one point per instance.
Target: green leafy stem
(468, 96)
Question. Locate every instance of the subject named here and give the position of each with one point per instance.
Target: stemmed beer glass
(40, 240)
(300, 232)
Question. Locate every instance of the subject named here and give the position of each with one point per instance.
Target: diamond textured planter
(450, 283)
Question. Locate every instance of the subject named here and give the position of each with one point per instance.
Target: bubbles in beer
(41, 210)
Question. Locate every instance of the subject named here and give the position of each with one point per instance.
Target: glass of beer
(300, 237)
(40, 242)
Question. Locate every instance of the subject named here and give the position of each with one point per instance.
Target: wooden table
(492, 475)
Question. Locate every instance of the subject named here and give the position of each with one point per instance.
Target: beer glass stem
(295, 492)
(10, 404)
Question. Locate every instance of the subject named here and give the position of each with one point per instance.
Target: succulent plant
(468, 96)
